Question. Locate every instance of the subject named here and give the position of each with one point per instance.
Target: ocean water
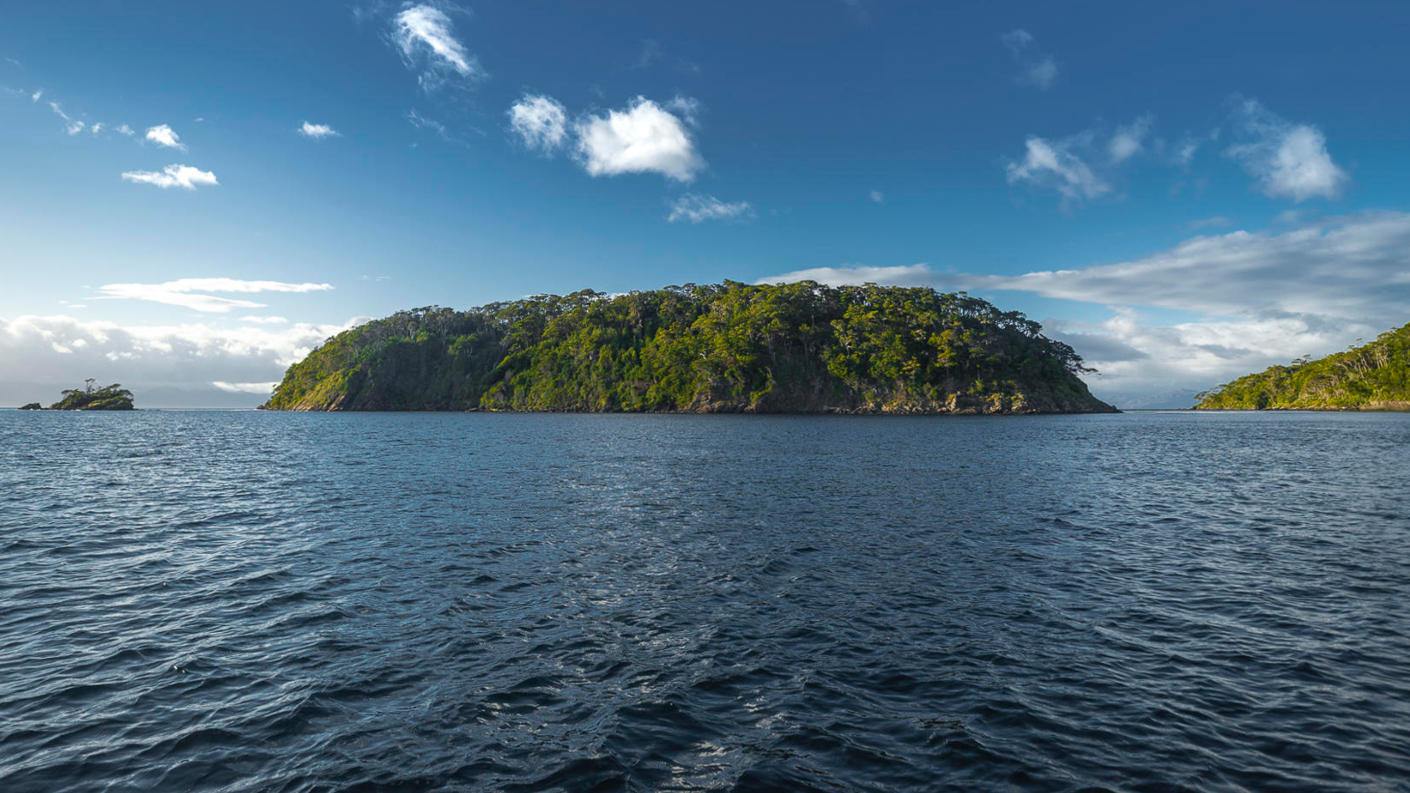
(231, 601)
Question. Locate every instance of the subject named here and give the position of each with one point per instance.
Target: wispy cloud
(426, 38)
(1035, 68)
(1129, 139)
(163, 135)
(195, 293)
(246, 388)
(421, 122)
(1055, 165)
(183, 176)
(265, 320)
(877, 197)
(318, 131)
(700, 208)
(1216, 222)
(1289, 160)
(126, 130)
(34, 97)
(1079, 167)
(540, 121)
(643, 137)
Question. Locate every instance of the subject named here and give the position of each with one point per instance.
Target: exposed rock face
(731, 348)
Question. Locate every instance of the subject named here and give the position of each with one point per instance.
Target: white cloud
(540, 122)
(421, 122)
(265, 320)
(1035, 68)
(189, 356)
(183, 176)
(905, 275)
(878, 197)
(246, 388)
(699, 208)
(1217, 221)
(1054, 165)
(643, 137)
(96, 128)
(318, 131)
(74, 128)
(34, 97)
(126, 130)
(1129, 139)
(58, 109)
(1288, 160)
(163, 135)
(192, 293)
(426, 38)
(1184, 152)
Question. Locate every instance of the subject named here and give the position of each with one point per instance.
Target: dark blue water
(294, 602)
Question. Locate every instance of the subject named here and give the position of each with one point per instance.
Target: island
(1372, 376)
(725, 348)
(92, 397)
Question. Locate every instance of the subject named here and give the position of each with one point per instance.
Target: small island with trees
(1372, 376)
(90, 397)
(724, 348)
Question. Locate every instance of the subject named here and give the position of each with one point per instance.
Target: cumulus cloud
(540, 121)
(699, 208)
(1055, 165)
(194, 293)
(318, 131)
(189, 356)
(643, 137)
(1289, 160)
(1035, 68)
(163, 135)
(1129, 139)
(183, 176)
(426, 38)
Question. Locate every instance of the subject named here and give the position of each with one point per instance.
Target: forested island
(90, 397)
(1373, 376)
(727, 348)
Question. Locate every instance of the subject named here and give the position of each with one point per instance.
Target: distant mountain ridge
(790, 348)
(1374, 376)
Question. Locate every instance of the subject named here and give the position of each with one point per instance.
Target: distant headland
(726, 348)
(1374, 376)
(90, 397)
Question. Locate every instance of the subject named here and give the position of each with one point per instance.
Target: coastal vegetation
(1372, 376)
(94, 397)
(732, 347)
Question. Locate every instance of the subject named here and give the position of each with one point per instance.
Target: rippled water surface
(295, 602)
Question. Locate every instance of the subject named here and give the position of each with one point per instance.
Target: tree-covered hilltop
(802, 347)
(93, 397)
(1374, 376)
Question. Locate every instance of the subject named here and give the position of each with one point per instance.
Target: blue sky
(1184, 193)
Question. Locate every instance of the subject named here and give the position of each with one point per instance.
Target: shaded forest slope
(1374, 376)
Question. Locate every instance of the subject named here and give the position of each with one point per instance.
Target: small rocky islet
(90, 397)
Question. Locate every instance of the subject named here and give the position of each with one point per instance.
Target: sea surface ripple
(227, 601)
